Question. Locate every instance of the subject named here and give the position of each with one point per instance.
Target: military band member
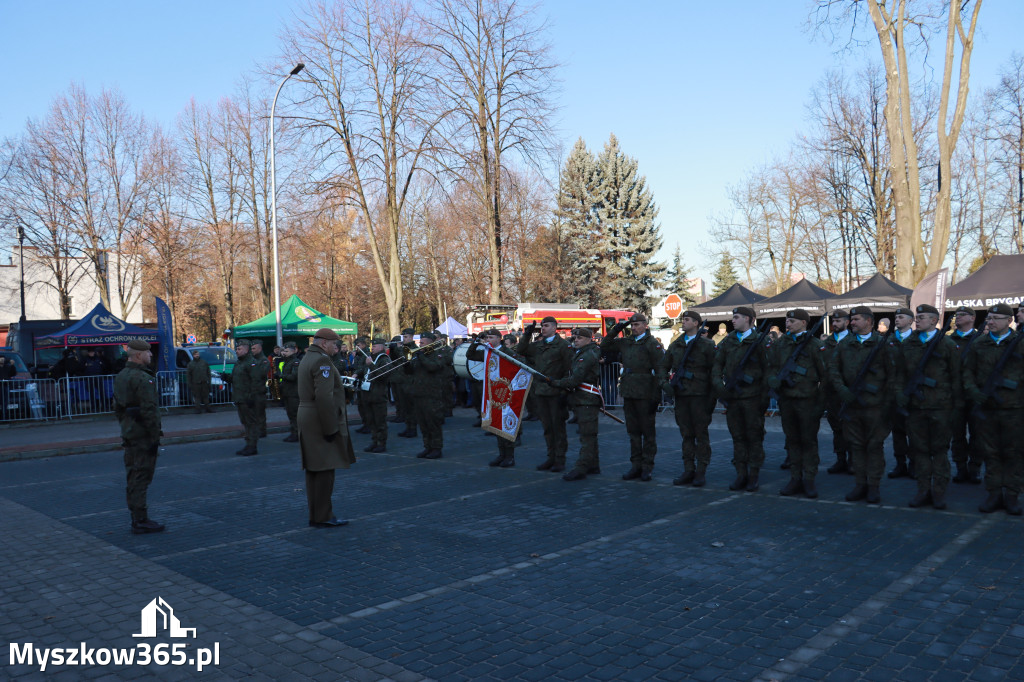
(425, 373)
(690, 383)
(360, 351)
(745, 402)
(801, 399)
(966, 449)
(640, 355)
(405, 407)
(138, 412)
(904, 330)
(866, 407)
(929, 408)
(447, 354)
(585, 381)
(323, 427)
(998, 396)
(289, 383)
(550, 356)
(492, 337)
(839, 321)
(375, 400)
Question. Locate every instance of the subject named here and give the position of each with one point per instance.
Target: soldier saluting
(994, 382)
(685, 371)
(550, 356)
(137, 410)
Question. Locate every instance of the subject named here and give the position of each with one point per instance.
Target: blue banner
(165, 332)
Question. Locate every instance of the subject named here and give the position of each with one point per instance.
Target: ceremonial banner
(505, 389)
(165, 331)
(931, 290)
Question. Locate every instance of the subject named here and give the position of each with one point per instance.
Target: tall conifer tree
(676, 283)
(577, 217)
(725, 275)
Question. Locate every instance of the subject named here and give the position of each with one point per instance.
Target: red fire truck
(508, 318)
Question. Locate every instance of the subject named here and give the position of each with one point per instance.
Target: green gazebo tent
(297, 319)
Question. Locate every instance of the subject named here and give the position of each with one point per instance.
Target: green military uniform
(866, 414)
(247, 388)
(640, 393)
(551, 357)
(424, 376)
(375, 402)
(261, 372)
(966, 448)
(198, 375)
(1000, 427)
(448, 385)
(901, 450)
(359, 374)
(801, 402)
(930, 409)
(840, 447)
(405, 407)
(745, 404)
(694, 401)
(585, 378)
(137, 411)
(289, 384)
(506, 448)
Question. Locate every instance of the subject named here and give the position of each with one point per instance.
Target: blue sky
(698, 92)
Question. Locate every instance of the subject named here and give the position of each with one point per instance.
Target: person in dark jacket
(584, 380)
(198, 376)
(550, 356)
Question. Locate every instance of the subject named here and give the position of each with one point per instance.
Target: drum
(466, 368)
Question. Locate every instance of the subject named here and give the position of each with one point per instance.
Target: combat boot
(575, 475)
(752, 481)
(741, 478)
(900, 471)
(962, 474)
(939, 499)
(634, 472)
(408, 433)
(874, 495)
(992, 502)
(794, 487)
(147, 526)
(699, 478)
(497, 460)
(509, 461)
(1012, 505)
(810, 491)
(922, 498)
(840, 466)
(546, 464)
(291, 438)
(434, 454)
(685, 479)
(859, 492)
(423, 453)
(557, 468)
(974, 474)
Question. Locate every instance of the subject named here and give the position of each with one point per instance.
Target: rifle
(995, 378)
(738, 374)
(791, 366)
(681, 372)
(967, 346)
(860, 381)
(918, 379)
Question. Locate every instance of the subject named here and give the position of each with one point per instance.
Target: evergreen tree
(676, 283)
(576, 218)
(630, 237)
(725, 275)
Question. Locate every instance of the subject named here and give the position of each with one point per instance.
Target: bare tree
(368, 107)
(1008, 128)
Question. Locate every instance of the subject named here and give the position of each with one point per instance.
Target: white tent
(453, 329)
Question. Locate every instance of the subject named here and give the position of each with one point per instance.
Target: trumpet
(409, 354)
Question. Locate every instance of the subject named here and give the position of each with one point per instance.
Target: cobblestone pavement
(452, 570)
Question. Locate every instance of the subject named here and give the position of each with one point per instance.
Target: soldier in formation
(840, 322)
(550, 356)
(375, 400)
(584, 380)
(288, 379)
(425, 375)
(478, 351)
(198, 375)
(966, 451)
(903, 330)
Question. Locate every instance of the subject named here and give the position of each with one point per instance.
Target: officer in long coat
(640, 353)
(198, 375)
(324, 439)
(138, 412)
(690, 384)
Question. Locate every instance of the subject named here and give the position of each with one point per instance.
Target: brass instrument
(408, 356)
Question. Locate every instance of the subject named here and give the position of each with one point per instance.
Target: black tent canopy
(1000, 280)
(720, 307)
(878, 293)
(803, 294)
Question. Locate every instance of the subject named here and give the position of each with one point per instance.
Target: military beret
(326, 334)
(290, 344)
(257, 342)
(362, 339)
(926, 308)
(378, 341)
(905, 311)
(139, 344)
(693, 315)
(965, 309)
(744, 310)
(492, 332)
(863, 311)
(1001, 309)
(638, 317)
(242, 342)
(583, 331)
(429, 335)
(409, 331)
(798, 314)
(839, 313)
(549, 319)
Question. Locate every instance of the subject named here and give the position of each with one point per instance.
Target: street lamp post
(273, 206)
(21, 256)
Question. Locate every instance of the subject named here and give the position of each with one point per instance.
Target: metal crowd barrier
(28, 400)
(175, 391)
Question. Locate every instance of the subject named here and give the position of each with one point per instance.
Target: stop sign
(673, 306)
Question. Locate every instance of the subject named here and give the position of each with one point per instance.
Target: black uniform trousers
(693, 416)
(840, 446)
(553, 412)
(900, 439)
(640, 416)
(801, 418)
